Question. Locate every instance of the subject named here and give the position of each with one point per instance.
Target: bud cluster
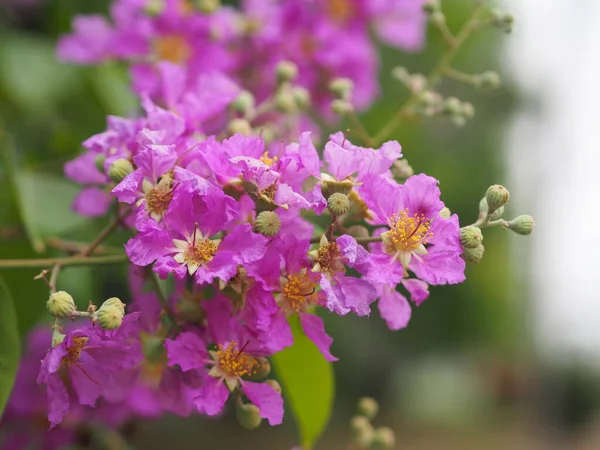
(364, 435)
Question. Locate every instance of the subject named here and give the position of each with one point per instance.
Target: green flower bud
(275, 385)
(383, 439)
(437, 17)
(483, 207)
(496, 197)
(61, 304)
(497, 214)
(301, 97)
(368, 407)
(119, 169)
(522, 225)
(488, 80)
(111, 313)
(241, 126)
(358, 231)
(286, 71)
(99, 161)
(470, 237)
(154, 7)
(402, 169)
(244, 102)
(208, 6)
(338, 203)
(341, 107)
(248, 416)
(268, 223)
(401, 74)
(445, 213)
(362, 430)
(285, 101)
(341, 88)
(431, 6)
(263, 369)
(453, 106)
(330, 186)
(473, 255)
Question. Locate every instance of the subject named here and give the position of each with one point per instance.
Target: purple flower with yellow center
(418, 238)
(229, 365)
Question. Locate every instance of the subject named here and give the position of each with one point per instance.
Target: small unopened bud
(453, 106)
(241, 126)
(244, 102)
(285, 101)
(497, 214)
(154, 7)
(119, 169)
(275, 385)
(99, 161)
(61, 304)
(358, 231)
(338, 203)
(445, 213)
(522, 225)
(402, 169)
(301, 97)
(111, 313)
(341, 88)
(341, 107)
(483, 207)
(383, 439)
(208, 6)
(286, 71)
(473, 255)
(431, 6)
(248, 416)
(438, 17)
(268, 223)
(471, 237)
(329, 186)
(468, 110)
(488, 80)
(502, 20)
(262, 370)
(401, 74)
(496, 197)
(368, 407)
(362, 430)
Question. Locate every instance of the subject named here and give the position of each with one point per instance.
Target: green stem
(359, 240)
(69, 261)
(432, 79)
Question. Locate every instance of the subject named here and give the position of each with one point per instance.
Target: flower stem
(359, 240)
(437, 72)
(68, 261)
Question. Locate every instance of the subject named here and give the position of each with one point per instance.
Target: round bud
(119, 169)
(445, 213)
(383, 439)
(338, 203)
(286, 71)
(208, 6)
(471, 237)
(496, 197)
(285, 101)
(401, 74)
(430, 6)
(61, 304)
(301, 97)
(488, 80)
(368, 407)
(341, 107)
(244, 102)
(248, 416)
(358, 231)
(262, 370)
(362, 430)
(99, 161)
(438, 17)
(522, 225)
(497, 214)
(268, 223)
(241, 126)
(275, 385)
(453, 106)
(154, 7)
(473, 255)
(341, 88)
(402, 169)
(111, 313)
(468, 110)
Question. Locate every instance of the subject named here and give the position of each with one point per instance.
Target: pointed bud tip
(110, 315)
(522, 225)
(496, 197)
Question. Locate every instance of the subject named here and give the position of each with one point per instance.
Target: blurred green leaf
(111, 85)
(9, 344)
(307, 380)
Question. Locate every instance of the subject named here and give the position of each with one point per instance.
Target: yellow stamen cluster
(74, 351)
(409, 232)
(268, 160)
(299, 291)
(328, 257)
(234, 362)
(201, 252)
(158, 199)
(172, 48)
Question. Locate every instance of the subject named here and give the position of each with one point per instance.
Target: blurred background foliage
(458, 377)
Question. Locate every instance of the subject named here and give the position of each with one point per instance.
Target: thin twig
(64, 262)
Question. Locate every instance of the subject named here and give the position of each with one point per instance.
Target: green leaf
(308, 384)
(9, 344)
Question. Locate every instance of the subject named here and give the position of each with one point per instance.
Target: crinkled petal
(418, 290)
(187, 350)
(314, 328)
(155, 160)
(394, 308)
(211, 396)
(130, 189)
(268, 400)
(148, 246)
(58, 400)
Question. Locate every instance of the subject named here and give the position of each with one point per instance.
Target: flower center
(329, 258)
(172, 48)
(158, 199)
(299, 291)
(201, 252)
(74, 351)
(340, 10)
(408, 232)
(234, 362)
(266, 159)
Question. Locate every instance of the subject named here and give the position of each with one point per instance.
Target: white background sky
(553, 159)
